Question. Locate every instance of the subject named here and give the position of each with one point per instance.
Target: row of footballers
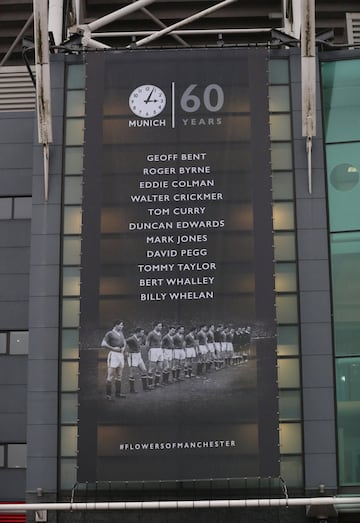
(173, 356)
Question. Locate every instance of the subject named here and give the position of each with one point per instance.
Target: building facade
(315, 227)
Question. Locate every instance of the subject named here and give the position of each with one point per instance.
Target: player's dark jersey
(237, 339)
(133, 343)
(178, 340)
(167, 342)
(114, 339)
(217, 336)
(202, 337)
(210, 337)
(229, 337)
(154, 340)
(247, 336)
(189, 340)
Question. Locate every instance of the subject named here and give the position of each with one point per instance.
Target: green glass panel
(290, 438)
(75, 103)
(347, 338)
(283, 185)
(283, 216)
(348, 379)
(71, 251)
(73, 190)
(279, 98)
(68, 441)
(69, 376)
(286, 309)
(291, 470)
(280, 127)
(74, 160)
(343, 174)
(285, 277)
(281, 156)
(70, 344)
(72, 220)
(345, 271)
(342, 123)
(69, 408)
(284, 246)
(289, 405)
(74, 132)
(76, 76)
(68, 472)
(71, 281)
(278, 72)
(70, 312)
(288, 340)
(288, 373)
(341, 94)
(348, 414)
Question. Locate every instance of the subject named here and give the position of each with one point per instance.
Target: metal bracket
(41, 515)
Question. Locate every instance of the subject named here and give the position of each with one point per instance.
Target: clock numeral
(147, 101)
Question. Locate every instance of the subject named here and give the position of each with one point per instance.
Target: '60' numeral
(212, 98)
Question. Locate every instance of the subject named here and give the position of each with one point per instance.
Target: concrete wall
(43, 365)
(16, 145)
(315, 300)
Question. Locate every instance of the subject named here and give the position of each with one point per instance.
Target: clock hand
(148, 98)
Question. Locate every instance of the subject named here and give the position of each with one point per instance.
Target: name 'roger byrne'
(193, 169)
(174, 157)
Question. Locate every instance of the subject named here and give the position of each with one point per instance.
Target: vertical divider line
(173, 105)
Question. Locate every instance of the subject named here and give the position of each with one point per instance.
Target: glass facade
(15, 208)
(71, 250)
(341, 109)
(14, 342)
(13, 455)
(286, 287)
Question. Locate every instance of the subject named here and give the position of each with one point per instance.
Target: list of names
(175, 191)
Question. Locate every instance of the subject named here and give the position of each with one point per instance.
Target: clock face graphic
(147, 101)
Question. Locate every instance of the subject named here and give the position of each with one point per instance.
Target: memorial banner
(177, 325)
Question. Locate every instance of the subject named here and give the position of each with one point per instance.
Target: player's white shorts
(203, 349)
(211, 347)
(179, 354)
(168, 354)
(115, 359)
(230, 347)
(156, 354)
(218, 347)
(135, 359)
(190, 352)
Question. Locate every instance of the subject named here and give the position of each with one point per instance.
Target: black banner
(177, 338)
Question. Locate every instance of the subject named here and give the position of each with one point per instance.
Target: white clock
(147, 101)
